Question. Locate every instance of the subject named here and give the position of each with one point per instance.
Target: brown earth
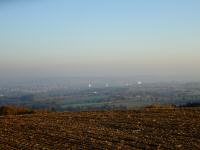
(134, 129)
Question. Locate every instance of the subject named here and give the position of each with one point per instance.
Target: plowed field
(133, 129)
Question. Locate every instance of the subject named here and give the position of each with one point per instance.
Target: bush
(13, 110)
(191, 104)
(159, 106)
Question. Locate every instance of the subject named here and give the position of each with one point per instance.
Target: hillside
(134, 129)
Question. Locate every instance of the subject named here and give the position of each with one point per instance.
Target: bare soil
(134, 129)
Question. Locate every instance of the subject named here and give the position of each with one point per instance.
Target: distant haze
(107, 38)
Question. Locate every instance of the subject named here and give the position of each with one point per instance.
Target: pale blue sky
(100, 37)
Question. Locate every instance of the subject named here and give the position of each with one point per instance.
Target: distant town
(77, 95)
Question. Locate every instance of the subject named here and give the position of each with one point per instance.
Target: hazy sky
(100, 38)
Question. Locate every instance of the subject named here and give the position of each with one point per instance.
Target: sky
(100, 38)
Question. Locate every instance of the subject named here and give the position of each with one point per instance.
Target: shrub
(13, 110)
(159, 106)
